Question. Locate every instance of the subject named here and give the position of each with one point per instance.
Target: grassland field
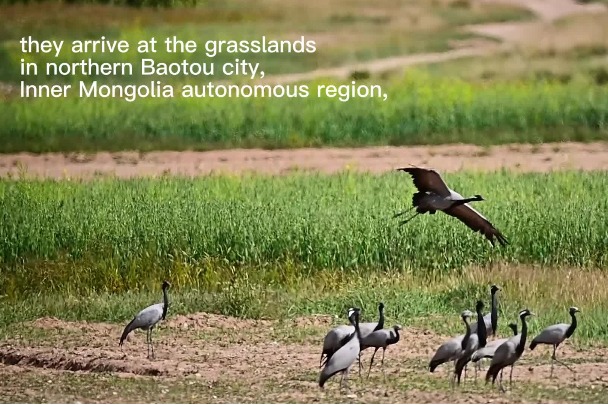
(263, 265)
(80, 257)
(537, 92)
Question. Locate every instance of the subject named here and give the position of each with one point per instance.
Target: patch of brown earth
(446, 158)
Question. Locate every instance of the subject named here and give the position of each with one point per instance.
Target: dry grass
(579, 35)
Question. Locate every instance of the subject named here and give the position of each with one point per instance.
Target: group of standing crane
(343, 345)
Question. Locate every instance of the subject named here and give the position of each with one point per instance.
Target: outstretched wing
(477, 222)
(427, 180)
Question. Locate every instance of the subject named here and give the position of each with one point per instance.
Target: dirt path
(446, 158)
(509, 33)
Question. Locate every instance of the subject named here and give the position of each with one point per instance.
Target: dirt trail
(446, 158)
(546, 11)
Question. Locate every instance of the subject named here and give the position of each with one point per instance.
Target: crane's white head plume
(352, 312)
(466, 314)
(574, 310)
(525, 312)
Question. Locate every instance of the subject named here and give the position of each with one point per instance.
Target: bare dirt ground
(532, 158)
(211, 358)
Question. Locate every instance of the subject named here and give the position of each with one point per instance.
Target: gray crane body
(147, 319)
(343, 358)
(475, 342)
(510, 351)
(554, 335)
(338, 336)
(380, 339)
(488, 351)
(434, 195)
(451, 349)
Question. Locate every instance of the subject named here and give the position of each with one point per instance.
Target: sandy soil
(531, 158)
(261, 360)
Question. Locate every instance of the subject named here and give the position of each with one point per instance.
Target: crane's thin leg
(475, 367)
(371, 362)
(341, 378)
(346, 379)
(402, 212)
(382, 365)
(409, 219)
(151, 344)
(502, 388)
(359, 359)
(511, 377)
(554, 358)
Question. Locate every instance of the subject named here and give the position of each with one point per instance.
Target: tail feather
(493, 372)
(126, 332)
(460, 365)
(533, 345)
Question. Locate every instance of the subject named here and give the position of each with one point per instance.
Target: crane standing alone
(434, 195)
(147, 319)
(554, 335)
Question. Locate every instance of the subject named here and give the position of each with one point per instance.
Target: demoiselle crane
(509, 352)
(475, 341)
(554, 335)
(147, 319)
(380, 339)
(434, 195)
(488, 351)
(345, 356)
(491, 318)
(338, 336)
(451, 349)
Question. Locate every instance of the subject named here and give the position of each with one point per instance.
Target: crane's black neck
(494, 313)
(380, 319)
(481, 329)
(394, 338)
(357, 330)
(524, 334)
(513, 327)
(572, 326)
(465, 201)
(467, 334)
(165, 302)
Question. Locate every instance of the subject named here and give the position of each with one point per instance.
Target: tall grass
(111, 235)
(420, 110)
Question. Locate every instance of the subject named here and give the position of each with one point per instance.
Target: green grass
(421, 109)
(99, 235)
(347, 31)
